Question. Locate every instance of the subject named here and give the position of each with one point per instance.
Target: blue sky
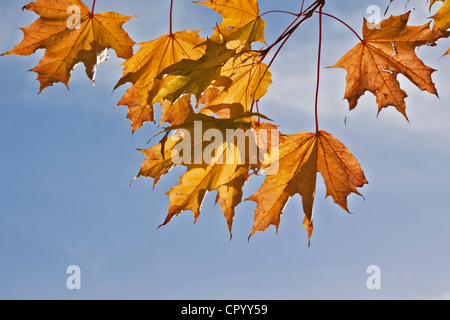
(67, 159)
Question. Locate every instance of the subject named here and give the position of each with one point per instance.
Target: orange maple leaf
(68, 42)
(373, 64)
(293, 169)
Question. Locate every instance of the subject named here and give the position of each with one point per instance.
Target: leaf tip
(131, 182)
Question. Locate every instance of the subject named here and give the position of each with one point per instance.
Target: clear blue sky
(67, 159)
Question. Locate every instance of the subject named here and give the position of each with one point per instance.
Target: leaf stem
(93, 7)
(171, 16)
(288, 33)
(294, 25)
(279, 11)
(319, 57)
(301, 9)
(345, 24)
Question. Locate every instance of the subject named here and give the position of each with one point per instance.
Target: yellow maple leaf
(373, 64)
(293, 169)
(249, 80)
(217, 160)
(158, 159)
(241, 20)
(177, 112)
(68, 41)
(194, 76)
(442, 19)
(142, 68)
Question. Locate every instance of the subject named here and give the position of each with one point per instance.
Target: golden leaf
(142, 68)
(241, 20)
(250, 80)
(177, 112)
(442, 17)
(216, 160)
(194, 76)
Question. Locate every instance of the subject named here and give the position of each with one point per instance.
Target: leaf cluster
(213, 86)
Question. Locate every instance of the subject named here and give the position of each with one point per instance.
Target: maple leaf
(293, 169)
(222, 165)
(142, 68)
(158, 159)
(263, 132)
(68, 45)
(250, 80)
(241, 20)
(177, 112)
(194, 76)
(442, 19)
(373, 64)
